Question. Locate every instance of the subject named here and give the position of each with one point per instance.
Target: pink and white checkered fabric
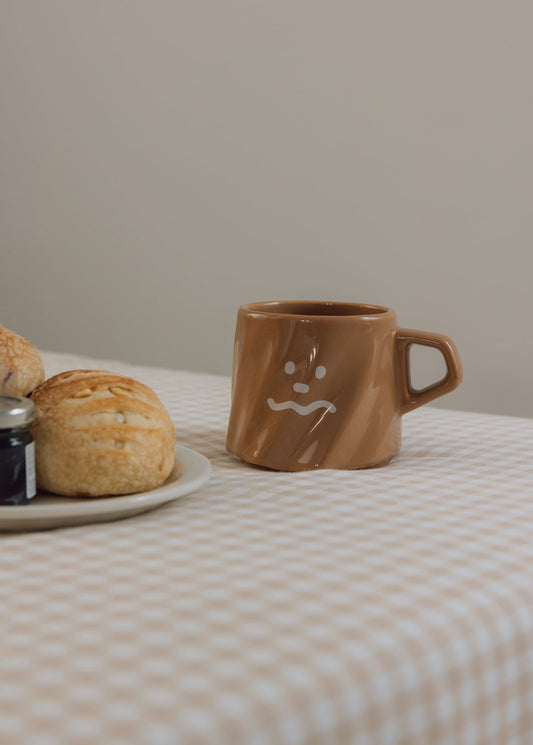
(391, 606)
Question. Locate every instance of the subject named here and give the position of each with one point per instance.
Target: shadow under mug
(325, 384)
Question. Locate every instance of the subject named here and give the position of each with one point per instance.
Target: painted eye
(320, 372)
(290, 367)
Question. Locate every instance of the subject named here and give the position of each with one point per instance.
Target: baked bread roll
(21, 366)
(98, 433)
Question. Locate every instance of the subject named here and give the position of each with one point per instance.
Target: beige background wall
(162, 162)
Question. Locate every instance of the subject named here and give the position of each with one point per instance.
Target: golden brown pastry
(99, 433)
(21, 366)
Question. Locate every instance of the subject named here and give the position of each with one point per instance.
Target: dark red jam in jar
(17, 454)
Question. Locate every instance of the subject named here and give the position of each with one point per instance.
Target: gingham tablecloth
(391, 606)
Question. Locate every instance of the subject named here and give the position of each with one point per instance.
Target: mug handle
(409, 397)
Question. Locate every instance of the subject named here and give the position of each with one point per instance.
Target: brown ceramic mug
(325, 384)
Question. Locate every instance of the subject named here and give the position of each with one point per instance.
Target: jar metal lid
(16, 412)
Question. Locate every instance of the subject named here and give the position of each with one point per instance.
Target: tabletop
(390, 606)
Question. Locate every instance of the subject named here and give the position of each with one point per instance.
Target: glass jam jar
(17, 451)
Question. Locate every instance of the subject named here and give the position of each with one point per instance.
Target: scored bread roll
(98, 433)
(21, 366)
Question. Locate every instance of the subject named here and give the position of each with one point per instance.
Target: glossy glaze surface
(322, 385)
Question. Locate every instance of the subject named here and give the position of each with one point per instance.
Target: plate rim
(195, 471)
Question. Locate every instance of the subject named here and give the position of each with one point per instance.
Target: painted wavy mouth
(299, 409)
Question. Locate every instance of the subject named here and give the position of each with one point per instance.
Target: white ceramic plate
(45, 510)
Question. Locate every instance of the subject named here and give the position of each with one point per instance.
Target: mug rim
(302, 308)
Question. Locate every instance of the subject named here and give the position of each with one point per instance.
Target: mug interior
(315, 308)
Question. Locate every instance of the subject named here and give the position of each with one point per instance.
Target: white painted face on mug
(302, 406)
